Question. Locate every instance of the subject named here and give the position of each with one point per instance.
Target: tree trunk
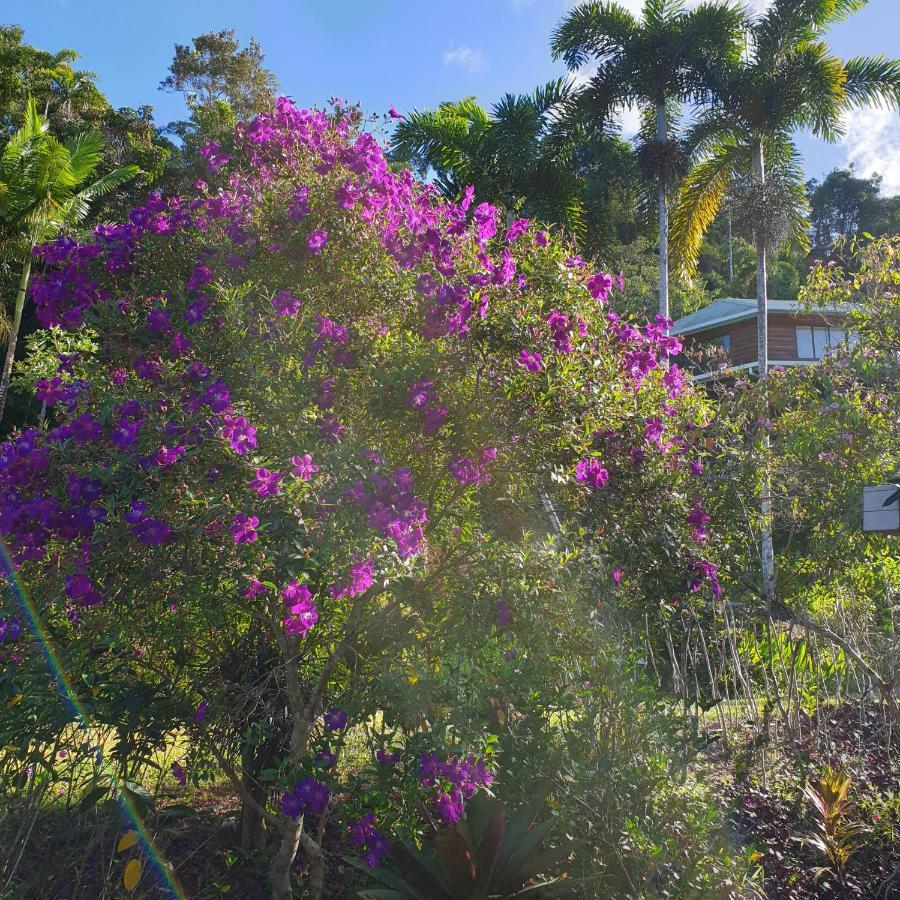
(663, 219)
(14, 335)
(280, 871)
(730, 250)
(767, 548)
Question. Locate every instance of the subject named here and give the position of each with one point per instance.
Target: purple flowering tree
(327, 415)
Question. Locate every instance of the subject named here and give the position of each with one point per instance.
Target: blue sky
(410, 53)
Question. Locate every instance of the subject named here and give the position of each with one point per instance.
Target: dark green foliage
(491, 853)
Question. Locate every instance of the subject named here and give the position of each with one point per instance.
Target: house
(723, 335)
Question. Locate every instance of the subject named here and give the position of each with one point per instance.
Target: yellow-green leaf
(132, 874)
(127, 841)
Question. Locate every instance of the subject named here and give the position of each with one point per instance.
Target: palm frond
(85, 154)
(593, 30)
(698, 201)
(872, 81)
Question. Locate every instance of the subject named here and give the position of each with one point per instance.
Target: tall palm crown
(786, 81)
(45, 187)
(514, 153)
(667, 57)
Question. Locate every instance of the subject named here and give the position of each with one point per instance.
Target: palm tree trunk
(14, 335)
(663, 219)
(767, 547)
(730, 250)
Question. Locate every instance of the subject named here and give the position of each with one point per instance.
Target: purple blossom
(255, 589)
(266, 483)
(330, 428)
(307, 796)
(362, 577)
(303, 467)
(516, 230)
(317, 240)
(531, 360)
(599, 285)
(244, 528)
(285, 304)
(179, 774)
(591, 472)
(560, 330)
(239, 433)
(302, 612)
(365, 835)
(152, 532)
(336, 719)
(158, 321)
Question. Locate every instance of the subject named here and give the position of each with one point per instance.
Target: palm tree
(655, 64)
(45, 187)
(787, 81)
(514, 154)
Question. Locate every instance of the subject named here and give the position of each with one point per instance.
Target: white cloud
(468, 58)
(872, 144)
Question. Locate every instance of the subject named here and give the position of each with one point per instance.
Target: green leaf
(92, 797)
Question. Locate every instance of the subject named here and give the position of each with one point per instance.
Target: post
(663, 216)
(14, 334)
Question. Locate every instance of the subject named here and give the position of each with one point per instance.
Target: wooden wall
(782, 337)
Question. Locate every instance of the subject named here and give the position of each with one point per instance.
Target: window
(812, 342)
(725, 342)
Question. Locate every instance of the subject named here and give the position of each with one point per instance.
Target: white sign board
(877, 516)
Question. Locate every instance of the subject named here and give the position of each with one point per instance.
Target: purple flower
(387, 759)
(504, 614)
(599, 286)
(325, 759)
(591, 472)
(617, 575)
(360, 580)
(266, 483)
(317, 240)
(166, 456)
(336, 719)
(152, 532)
(516, 230)
(393, 113)
(330, 428)
(531, 360)
(303, 614)
(363, 834)
(449, 806)
(303, 467)
(286, 304)
(200, 712)
(244, 528)
(255, 589)
(239, 433)
(81, 589)
(158, 321)
(699, 519)
(179, 774)
(307, 796)
(560, 329)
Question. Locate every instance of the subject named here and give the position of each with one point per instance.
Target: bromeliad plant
(836, 838)
(304, 474)
(490, 853)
